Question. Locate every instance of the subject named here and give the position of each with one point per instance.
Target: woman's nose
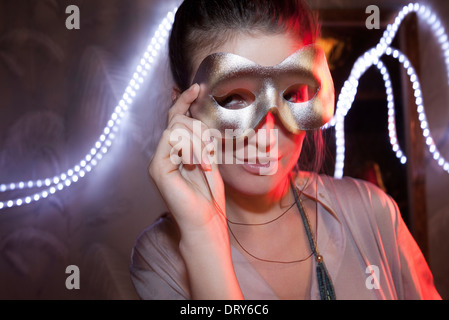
(267, 133)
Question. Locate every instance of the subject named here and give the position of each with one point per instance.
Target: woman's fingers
(188, 141)
(185, 140)
(185, 144)
(184, 101)
(196, 126)
(180, 113)
(159, 163)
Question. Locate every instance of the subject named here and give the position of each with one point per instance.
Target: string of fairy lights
(372, 58)
(50, 185)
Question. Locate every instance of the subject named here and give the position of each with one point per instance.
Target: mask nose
(275, 105)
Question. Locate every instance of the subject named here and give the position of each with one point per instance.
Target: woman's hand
(194, 193)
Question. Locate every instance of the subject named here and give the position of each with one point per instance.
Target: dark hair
(205, 24)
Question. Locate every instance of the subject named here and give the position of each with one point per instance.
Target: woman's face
(250, 178)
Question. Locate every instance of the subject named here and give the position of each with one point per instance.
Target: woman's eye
(235, 101)
(298, 93)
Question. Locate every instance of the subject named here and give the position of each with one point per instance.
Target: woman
(233, 231)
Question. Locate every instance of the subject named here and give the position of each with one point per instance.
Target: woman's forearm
(209, 266)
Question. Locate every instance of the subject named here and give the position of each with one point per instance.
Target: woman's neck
(245, 208)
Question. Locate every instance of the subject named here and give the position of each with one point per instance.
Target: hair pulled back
(205, 24)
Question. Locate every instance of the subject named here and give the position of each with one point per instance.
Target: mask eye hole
(236, 99)
(299, 93)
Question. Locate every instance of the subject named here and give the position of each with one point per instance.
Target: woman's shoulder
(163, 224)
(161, 238)
(347, 183)
(368, 215)
(355, 189)
(157, 268)
(346, 186)
(359, 196)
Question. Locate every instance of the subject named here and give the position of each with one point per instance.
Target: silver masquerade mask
(237, 93)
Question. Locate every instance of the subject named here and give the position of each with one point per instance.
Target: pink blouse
(368, 250)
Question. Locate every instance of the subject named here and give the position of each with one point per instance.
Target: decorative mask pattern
(237, 93)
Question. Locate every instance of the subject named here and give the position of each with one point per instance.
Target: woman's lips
(263, 167)
(259, 160)
(255, 168)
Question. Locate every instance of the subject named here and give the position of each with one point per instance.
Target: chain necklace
(261, 224)
(325, 285)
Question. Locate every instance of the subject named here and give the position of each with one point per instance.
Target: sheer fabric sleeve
(417, 278)
(157, 269)
(413, 277)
